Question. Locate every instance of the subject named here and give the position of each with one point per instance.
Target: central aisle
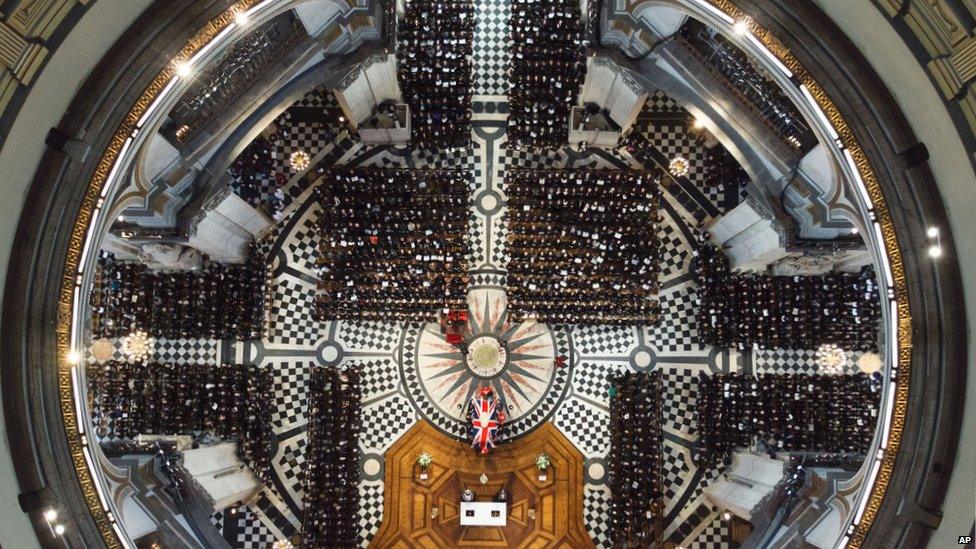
(540, 513)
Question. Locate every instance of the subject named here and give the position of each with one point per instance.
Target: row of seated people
(220, 301)
(548, 63)
(745, 81)
(784, 312)
(232, 401)
(635, 459)
(394, 244)
(255, 173)
(435, 48)
(583, 246)
(791, 412)
(331, 516)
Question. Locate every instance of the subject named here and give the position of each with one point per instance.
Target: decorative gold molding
(212, 28)
(75, 246)
(904, 335)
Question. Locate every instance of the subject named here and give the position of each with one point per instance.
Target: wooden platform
(409, 503)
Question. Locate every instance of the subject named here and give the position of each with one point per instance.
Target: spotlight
(935, 251)
(183, 70)
(74, 357)
(726, 516)
(854, 230)
(121, 219)
(51, 515)
(59, 529)
(342, 119)
(932, 232)
(241, 19)
(742, 25)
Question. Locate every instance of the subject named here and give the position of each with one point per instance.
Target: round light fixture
(831, 359)
(137, 346)
(299, 161)
(679, 166)
(935, 251)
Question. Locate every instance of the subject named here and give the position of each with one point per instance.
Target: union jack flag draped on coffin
(485, 419)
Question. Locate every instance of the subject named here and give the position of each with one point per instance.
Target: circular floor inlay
(486, 357)
(596, 471)
(642, 358)
(488, 202)
(371, 467)
(517, 361)
(330, 353)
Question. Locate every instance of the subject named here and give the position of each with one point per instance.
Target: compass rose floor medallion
(517, 361)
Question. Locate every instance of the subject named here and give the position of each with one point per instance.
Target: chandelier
(299, 160)
(137, 346)
(282, 544)
(831, 359)
(679, 166)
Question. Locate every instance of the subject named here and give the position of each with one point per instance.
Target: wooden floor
(410, 505)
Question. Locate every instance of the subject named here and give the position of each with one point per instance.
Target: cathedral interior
(487, 273)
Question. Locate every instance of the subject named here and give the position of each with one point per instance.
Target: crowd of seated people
(583, 246)
(332, 459)
(722, 171)
(261, 172)
(220, 301)
(747, 82)
(435, 48)
(254, 175)
(789, 412)
(548, 63)
(635, 459)
(394, 244)
(784, 312)
(232, 401)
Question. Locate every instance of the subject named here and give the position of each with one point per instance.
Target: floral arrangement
(542, 462)
(424, 460)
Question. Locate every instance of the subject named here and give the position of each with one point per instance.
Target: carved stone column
(225, 225)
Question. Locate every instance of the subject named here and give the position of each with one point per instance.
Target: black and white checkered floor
(575, 399)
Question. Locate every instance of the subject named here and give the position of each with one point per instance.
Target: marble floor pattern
(400, 384)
